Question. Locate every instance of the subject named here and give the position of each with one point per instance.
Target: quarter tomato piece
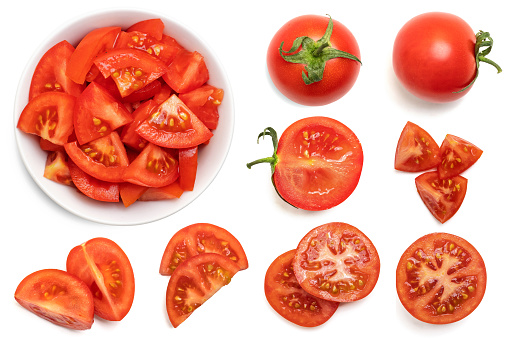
(417, 151)
(440, 278)
(92, 187)
(442, 197)
(56, 168)
(204, 102)
(129, 136)
(145, 42)
(188, 165)
(337, 262)
(291, 301)
(194, 282)
(106, 270)
(174, 125)
(50, 116)
(317, 163)
(201, 238)
(186, 72)
(457, 156)
(153, 27)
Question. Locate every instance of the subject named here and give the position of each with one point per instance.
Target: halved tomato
(58, 297)
(188, 166)
(92, 187)
(457, 156)
(201, 238)
(56, 168)
(204, 102)
(194, 282)
(417, 151)
(337, 262)
(171, 191)
(106, 270)
(187, 71)
(440, 278)
(291, 301)
(49, 115)
(442, 197)
(104, 158)
(153, 27)
(174, 125)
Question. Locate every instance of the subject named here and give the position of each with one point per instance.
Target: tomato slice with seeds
(58, 297)
(144, 42)
(440, 278)
(174, 125)
(194, 282)
(107, 271)
(153, 27)
(457, 156)
(187, 71)
(337, 262)
(290, 300)
(56, 168)
(188, 166)
(204, 102)
(417, 151)
(93, 188)
(129, 136)
(201, 238)
(442, 197)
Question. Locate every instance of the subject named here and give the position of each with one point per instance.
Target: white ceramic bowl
(211, 158)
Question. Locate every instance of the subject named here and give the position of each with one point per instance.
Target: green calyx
(314, 54)
(274, 158)
(484, 42)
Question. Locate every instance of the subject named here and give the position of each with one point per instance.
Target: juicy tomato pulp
(290, 300)
(440, 278)
(457, 156)
(106, 270)
(337, 262)
(442, 197)
(201, 238)
(58, 297)
(416, 151)
(194, 282)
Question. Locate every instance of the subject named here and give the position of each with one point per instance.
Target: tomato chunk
(204, 102)
(93, 188)
(56, 168)
(153, 27)
(188, 71)
(188, 166)
(417, 151)
(457, 156)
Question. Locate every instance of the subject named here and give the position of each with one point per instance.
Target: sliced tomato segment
(173, 125)
(153, 27)
(291, 301)
(188, 166)
(93, 188)
(194, 282)
(56, 168)
(187, 72)
(201, 238)
(457, 156)
(417, 151)
(107, 271)
(204, 102)
(58, 297)
(130, 193)
(172, 191)
(337, 262)
(49, 115)
(144, 42)
(145, 93)
(129, 135)
(440, 278)
(442, 197)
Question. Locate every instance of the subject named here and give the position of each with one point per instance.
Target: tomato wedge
(440, 278)
(188, 166)
(171, 191)
(457, 156)
(129, 136)
(145, 42)
(194, 282)
(291, 301)
(337, 262)
(442, 197)
(204, 102)
(58, 297)
(187, 71)
(153, 27)
(201, 238)
(174, 125)
(56, 168)
(417, 151)
(130, 193)
(92, 187)
(106, 270)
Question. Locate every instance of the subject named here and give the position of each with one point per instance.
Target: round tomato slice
(201, 238)
(58, 297)
(337, 262)
(106, 270)
(417, 151)
(442, 197)
(92, 187)
(457, 156)
(291, 301)
(194, 282)
(440, 278)
(317, 163)
(174, 125)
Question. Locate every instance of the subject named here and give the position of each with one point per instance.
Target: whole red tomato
(313, 60)
(436, 56)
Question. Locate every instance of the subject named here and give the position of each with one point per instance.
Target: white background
(36, 233)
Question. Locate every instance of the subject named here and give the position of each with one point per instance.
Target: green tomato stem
(272, 160)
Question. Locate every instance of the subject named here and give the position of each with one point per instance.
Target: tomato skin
(58, 297)
(452, 263)
(339, 75)
(153, 27)
(93, 188)
(188, 165)
(287, 298)
(433, 56)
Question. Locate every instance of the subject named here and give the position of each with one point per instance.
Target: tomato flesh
(417, 151)
(187, 72)
(457, 156)
(204, 102)
(56, 168)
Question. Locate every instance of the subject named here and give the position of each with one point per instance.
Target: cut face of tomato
(440, 278)
(201, 238)
(291, 301)
(204, 102)
(187, 72)
(92, 187)
(337, 262)
(442, 197)
(58, 297)
(194, 282)
(56, 168)
(457, 156)
(129, 136)
(145, 42)
(106, 270)
(417, 151)
(173, 125)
